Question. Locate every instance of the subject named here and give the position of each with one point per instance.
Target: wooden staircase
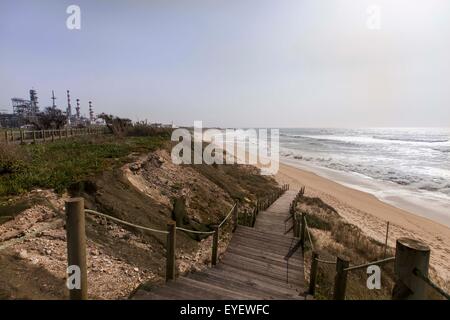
(264, 262)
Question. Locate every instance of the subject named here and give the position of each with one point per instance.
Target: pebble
(23, 254)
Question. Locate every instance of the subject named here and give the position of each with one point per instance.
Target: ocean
(406, 167)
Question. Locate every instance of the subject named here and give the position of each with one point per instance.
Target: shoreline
(370, 214)
(408, 200)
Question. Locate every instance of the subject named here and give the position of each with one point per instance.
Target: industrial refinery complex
(25, 112)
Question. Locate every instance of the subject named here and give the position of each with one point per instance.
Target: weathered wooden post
(6, 137)
(313, 273)
(215, 245)
(340, 280)
(295, 225)
(21, 136)
(386, 240)
(303, 230)
(410, 254)
(53, 135)
(76, 244)
(235, 217)
(170, 250)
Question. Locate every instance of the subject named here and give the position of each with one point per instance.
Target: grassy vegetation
(332, 237)
(238, 181)
(58, 165)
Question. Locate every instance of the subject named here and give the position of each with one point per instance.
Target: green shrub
(62, 163)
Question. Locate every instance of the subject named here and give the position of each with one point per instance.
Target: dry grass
(332, 237)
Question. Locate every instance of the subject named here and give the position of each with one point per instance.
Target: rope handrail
(309, 234)
(325, 261)
(370, 263)
(428, 281)
(210, 232)
(228, 215)
(156, 230)
(125, 222)
(195, 231)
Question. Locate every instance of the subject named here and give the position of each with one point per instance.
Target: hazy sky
(278, 63)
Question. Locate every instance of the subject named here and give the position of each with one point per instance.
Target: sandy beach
(371, 215)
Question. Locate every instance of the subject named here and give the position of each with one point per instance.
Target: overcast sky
(278, 63)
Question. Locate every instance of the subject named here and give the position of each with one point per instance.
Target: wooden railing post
(170, 250)
(303, 231)
(215, 245)
(235, 217)
(313, 273)
(340, 280)
(295, 225)
(21, 136)
(409, 255)
(76, 244)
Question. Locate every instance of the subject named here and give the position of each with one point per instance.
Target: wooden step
(260, 263)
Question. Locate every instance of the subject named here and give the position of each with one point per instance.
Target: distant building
(24, 111)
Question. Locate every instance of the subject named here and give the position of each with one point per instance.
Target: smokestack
(69, 108)
(78, 108)
(53, 98)
(91, 112)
